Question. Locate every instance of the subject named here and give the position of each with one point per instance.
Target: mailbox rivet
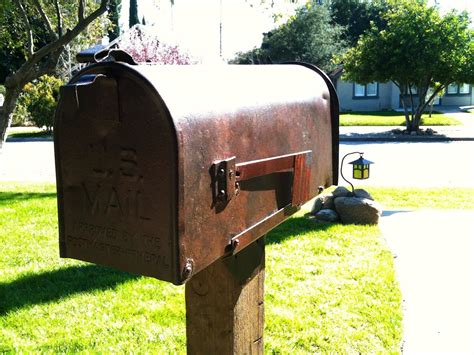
(221, 193)
(237, 188)
(231, 174)
(188, 269)
(221, 171)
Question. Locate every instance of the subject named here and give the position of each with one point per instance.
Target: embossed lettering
(129, 164)
(114, 203)
(92, 200)
(109, 201)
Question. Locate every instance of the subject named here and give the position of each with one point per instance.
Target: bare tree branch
(80, 14)
(45, 19)
(24, 17)
(65, 38)
(59, 18)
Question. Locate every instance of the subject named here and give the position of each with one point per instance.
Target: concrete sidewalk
(434, 262)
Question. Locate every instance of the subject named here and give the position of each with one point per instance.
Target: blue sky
(194, 25)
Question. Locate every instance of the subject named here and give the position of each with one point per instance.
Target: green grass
(428, 198)
(28, 132)
(329, 289)
(392, 118)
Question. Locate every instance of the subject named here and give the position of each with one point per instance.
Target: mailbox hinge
(223, 172)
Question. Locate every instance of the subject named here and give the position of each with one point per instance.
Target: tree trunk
(11, 97)
(407, 115)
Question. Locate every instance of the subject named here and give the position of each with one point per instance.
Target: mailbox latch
(224, 180)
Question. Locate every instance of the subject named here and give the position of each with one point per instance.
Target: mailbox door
(116, 165)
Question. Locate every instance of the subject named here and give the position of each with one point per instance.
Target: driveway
(27, 161)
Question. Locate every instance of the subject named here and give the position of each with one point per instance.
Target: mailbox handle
(300, 163)
(227, 175)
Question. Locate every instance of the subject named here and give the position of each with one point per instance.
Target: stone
(326, 215)
(363, 194)
(322, 202)
(341, 191)
(356, 210)
(317, 205)
(328, 202)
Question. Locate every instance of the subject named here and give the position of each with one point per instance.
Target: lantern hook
(342, 165)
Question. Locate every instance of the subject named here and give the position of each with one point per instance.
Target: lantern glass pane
(366, 173)
(357, 174)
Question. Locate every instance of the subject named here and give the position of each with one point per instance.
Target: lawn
(329, 289)
(28, 132)
(392, 118)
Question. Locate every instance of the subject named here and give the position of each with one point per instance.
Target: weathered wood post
(224, 305)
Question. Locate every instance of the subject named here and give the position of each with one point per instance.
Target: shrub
(40, 99)
(2, 90)
(21, 116)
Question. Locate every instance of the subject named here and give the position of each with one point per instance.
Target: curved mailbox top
(164, 169)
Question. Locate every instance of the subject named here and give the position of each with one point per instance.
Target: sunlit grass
(393, 118)
(328, 289)
(28, 132)
(428, 198)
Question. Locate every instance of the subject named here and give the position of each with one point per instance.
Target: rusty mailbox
(162, 170)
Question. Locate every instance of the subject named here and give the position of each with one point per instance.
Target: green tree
(113, 13)
(308, 36)
(356, 15)
(44, 30)
(419, 50)
(133, 13)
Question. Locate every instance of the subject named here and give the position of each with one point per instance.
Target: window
(464, 89)
(458, 89)
(366, 91)
(359, 90)
(452, 88)
(372, 89)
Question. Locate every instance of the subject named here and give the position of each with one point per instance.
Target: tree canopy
(418, 49)
(308, 36)
(355, 16)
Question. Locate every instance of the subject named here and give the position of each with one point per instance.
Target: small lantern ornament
(360, 168)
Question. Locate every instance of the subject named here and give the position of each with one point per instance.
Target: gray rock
(356, 210)
(328, 202)
(341, 191)
(317, 205)
(363, 194)
(321, 202)
(326, 215)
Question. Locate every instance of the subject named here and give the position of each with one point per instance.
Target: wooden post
(224, 305)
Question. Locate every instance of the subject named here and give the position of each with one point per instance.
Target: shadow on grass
(21, 196)
(53, 285)
(293, 227)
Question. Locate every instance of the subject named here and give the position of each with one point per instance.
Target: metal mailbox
(162, 170)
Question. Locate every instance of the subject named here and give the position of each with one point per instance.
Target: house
(386, 96)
